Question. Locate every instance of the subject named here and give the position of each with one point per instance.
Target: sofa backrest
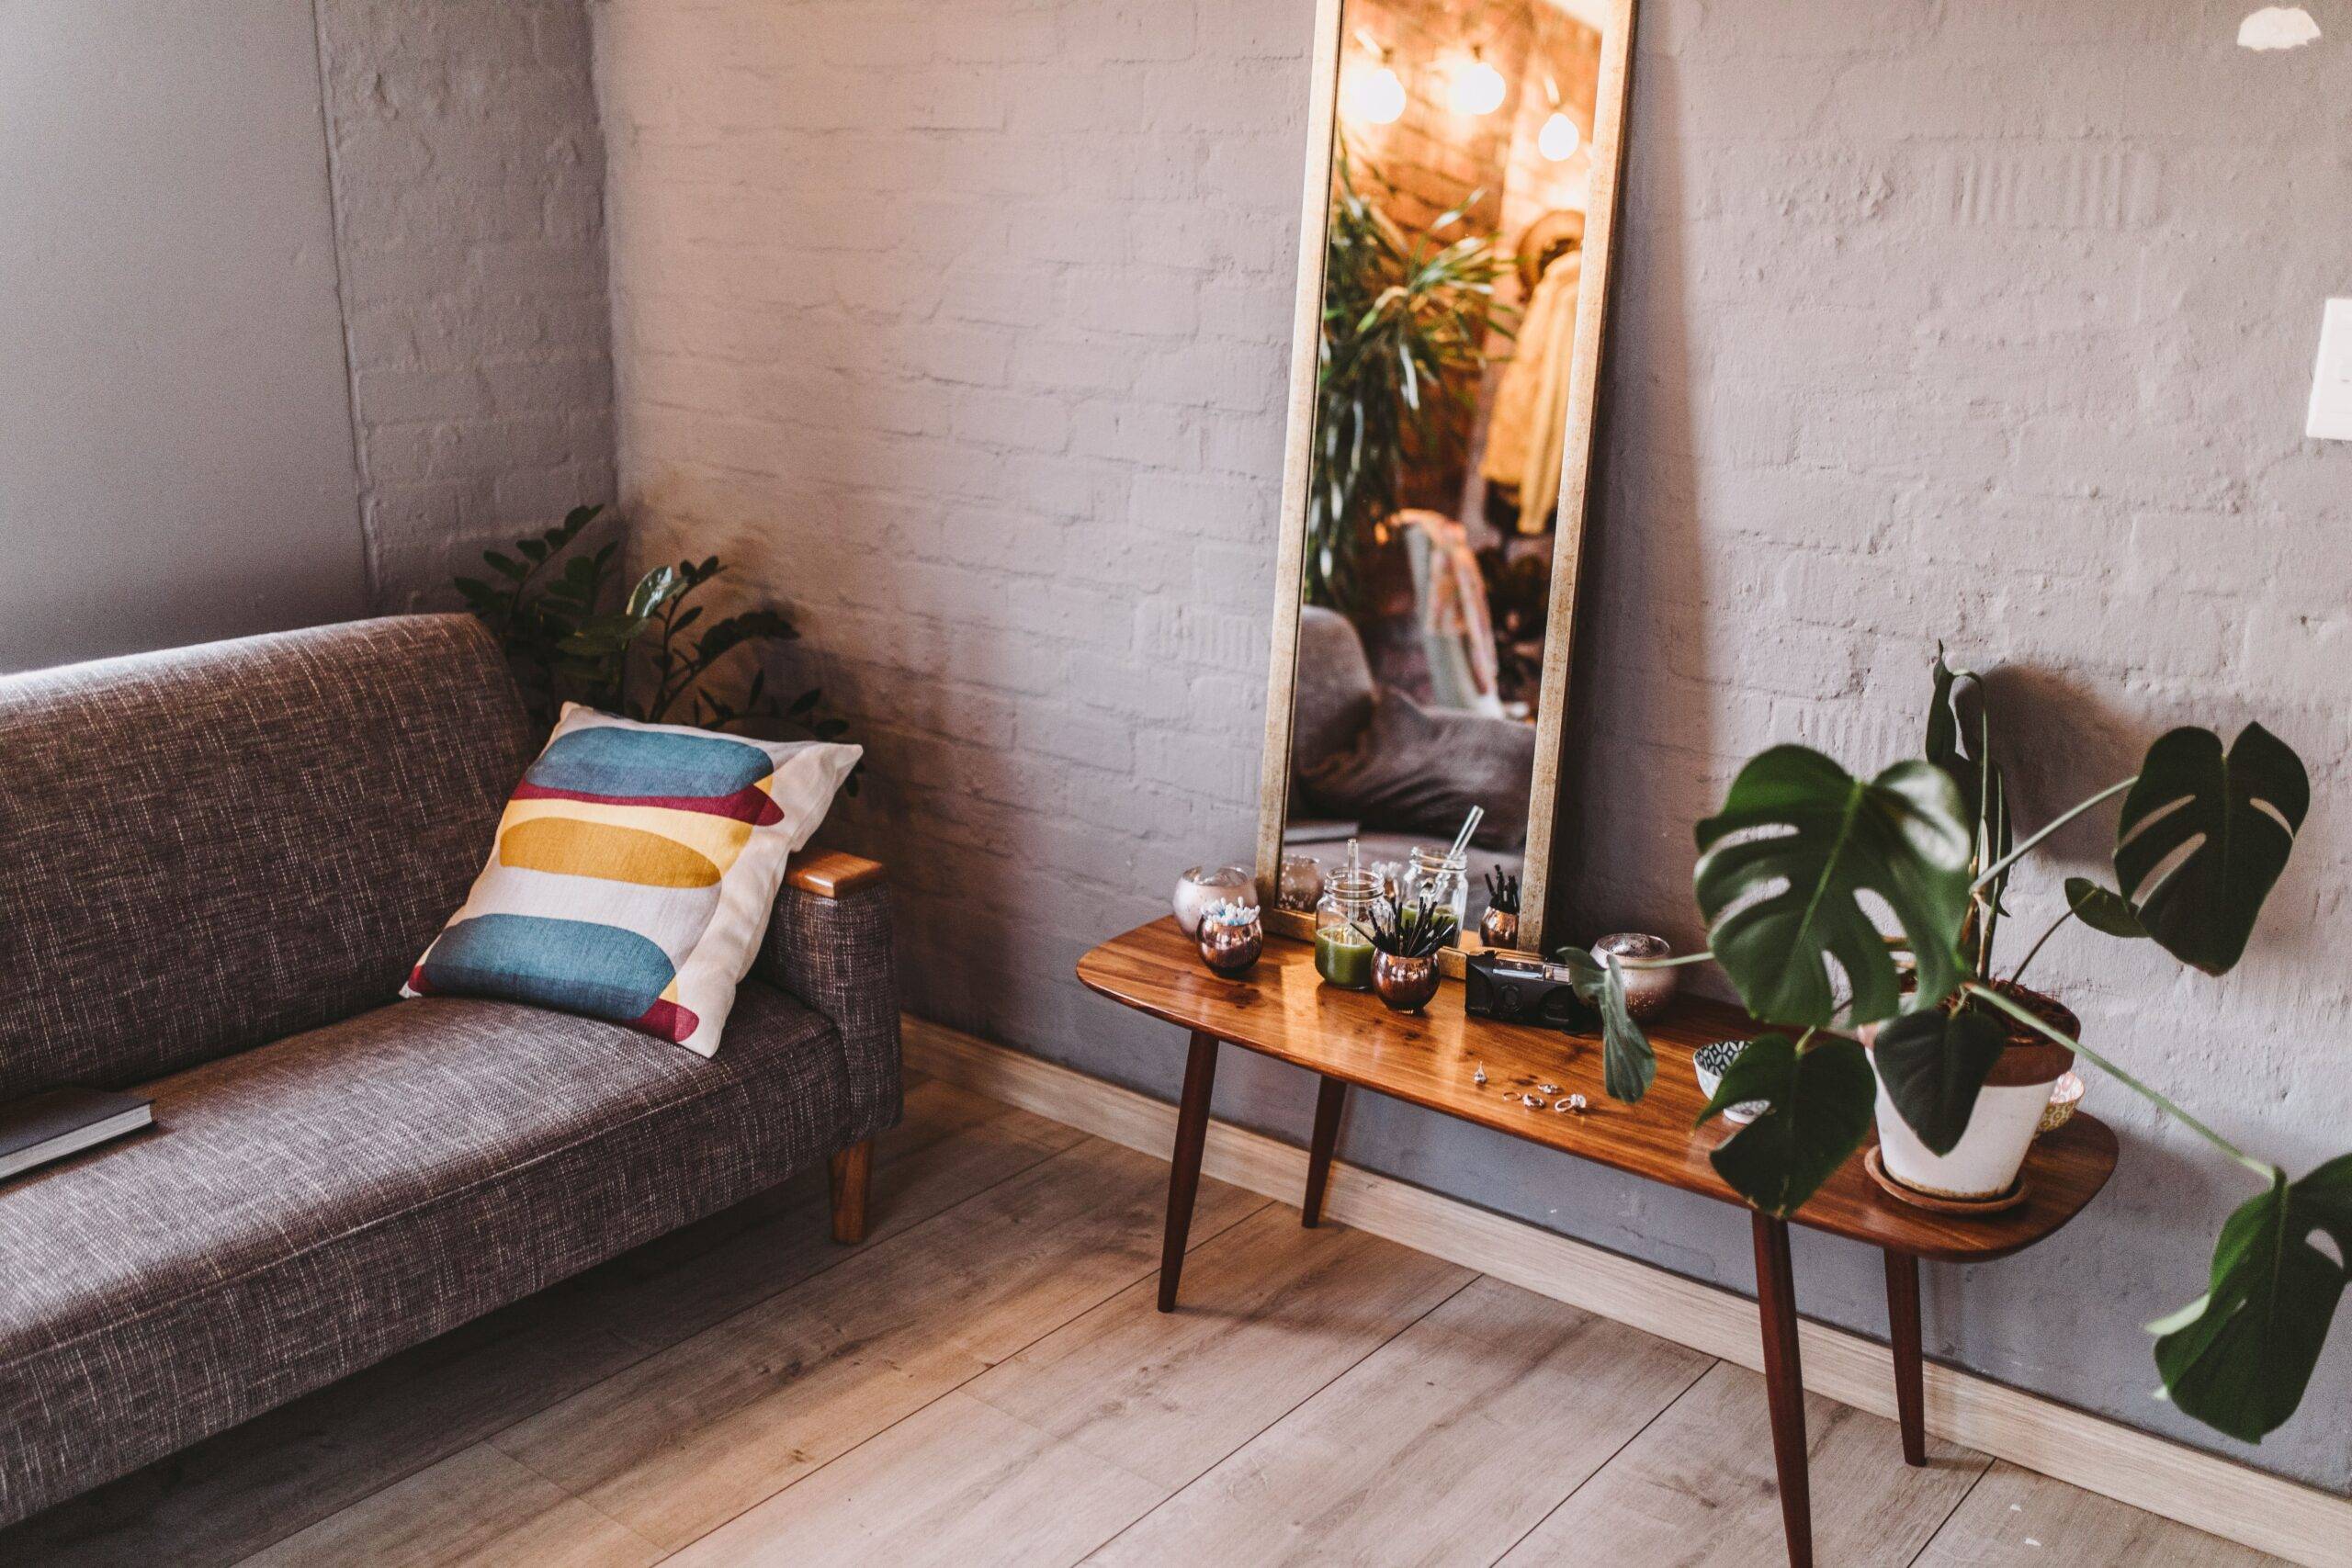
(207, 849)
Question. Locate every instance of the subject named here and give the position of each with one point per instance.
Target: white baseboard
(2300, 1523)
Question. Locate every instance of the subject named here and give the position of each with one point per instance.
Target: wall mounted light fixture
(1478, 87)
(1371, 94)
(1559, 138)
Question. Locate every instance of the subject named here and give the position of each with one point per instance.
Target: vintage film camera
(1512, 988)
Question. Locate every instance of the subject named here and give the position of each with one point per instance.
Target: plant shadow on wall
(2203, 836)
(650, 655)
(1398, 357)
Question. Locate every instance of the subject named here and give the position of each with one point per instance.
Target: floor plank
(993, 1489)
(1446, 1445)
(682, 1442)
(1037, 1461)
(2015, 1517)
(1272, 1312)
(1696, 1489)
(241, 1490)
(505, 1516)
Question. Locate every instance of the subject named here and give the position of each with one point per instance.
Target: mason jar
(1445, 880)
(1342, 951)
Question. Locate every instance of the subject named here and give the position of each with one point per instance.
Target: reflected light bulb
(1559, 138)
(1478, 88)
(1376, 96)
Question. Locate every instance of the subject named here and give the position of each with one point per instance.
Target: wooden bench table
(1281, 1010)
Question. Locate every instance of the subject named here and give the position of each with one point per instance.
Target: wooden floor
(986, 1382)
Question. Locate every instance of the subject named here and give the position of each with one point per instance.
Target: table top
(1282, 1008)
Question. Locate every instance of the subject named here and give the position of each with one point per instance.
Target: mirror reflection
(1462, 168)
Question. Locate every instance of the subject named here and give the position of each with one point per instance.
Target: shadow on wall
(1640, 625)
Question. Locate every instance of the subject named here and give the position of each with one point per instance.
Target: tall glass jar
(1446, 881)
(1342, 953)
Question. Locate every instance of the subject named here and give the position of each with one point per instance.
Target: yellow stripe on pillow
(717, 839)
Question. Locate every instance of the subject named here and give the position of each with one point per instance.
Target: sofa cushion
(634, 874)
(210, 848)
(308, 1207)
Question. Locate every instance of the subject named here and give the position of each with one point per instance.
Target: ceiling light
(1478, 88)
(1559, 138)
(1375, 96)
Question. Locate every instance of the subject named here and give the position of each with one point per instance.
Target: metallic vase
(1405, 984)
(1498, 928)
(1232, 948)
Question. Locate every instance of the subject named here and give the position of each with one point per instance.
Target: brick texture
(963, 329)
(468, 175)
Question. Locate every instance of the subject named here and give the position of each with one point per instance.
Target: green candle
(1343, 957)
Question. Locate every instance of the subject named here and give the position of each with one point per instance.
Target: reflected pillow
(634, 872)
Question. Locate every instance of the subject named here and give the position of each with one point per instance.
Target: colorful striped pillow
(635, 871)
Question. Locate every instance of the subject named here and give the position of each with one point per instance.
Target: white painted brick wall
(962, 329)
(467, 174)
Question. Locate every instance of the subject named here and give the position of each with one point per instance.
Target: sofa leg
(851, 1169)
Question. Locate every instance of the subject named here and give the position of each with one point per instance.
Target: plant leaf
(1780, 908)
(1933, 1064)
(655, 589)
(1628, 1062)
(1821, 1101)
(2239, 1359)
(2102, 908)
(505, 565)
(2238, 816)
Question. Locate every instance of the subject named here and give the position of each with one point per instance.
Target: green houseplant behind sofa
(216, 864)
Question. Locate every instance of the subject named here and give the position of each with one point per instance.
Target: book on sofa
(63, 1122)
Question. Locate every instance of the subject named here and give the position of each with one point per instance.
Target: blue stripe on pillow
(610, 761)
(574, 965)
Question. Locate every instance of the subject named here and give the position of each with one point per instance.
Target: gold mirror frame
(1551, 717)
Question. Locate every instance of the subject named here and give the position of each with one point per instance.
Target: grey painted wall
(469, 183)
(175, 453)
(962, 329)
(275, 351)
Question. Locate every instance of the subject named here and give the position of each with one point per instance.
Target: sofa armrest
(830, 945)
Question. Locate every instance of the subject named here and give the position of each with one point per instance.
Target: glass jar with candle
(1342, 952)
(1446, 882)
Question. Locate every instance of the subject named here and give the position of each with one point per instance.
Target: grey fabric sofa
(216, 865)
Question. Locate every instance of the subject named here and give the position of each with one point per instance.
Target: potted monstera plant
(2203, 832)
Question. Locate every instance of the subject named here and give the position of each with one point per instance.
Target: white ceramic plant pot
(1984, 1163)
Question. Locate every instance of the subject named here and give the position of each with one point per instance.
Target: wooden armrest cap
(830, 874)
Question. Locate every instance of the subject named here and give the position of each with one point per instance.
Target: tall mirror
(1462, 179)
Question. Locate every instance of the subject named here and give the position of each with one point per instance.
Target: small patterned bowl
(2065, 1098)
(1710, 1064)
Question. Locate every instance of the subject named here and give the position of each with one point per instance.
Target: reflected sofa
(216, 864)
(1372, 765)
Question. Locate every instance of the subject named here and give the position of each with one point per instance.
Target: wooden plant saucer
(1928, 1201)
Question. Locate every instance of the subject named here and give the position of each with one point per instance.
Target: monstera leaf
(1932, 1063)
(2239, 1358)
(1966, 758)
(1781, 905)
(1821, 1103)
(2103, 909)
(1628, 1063)
(2235, 815)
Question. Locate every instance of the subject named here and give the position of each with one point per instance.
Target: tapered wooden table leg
(1903, 1333)
(1184, 1164)
(1327, 1102)
(1776, 1300)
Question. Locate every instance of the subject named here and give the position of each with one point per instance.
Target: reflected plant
(2201, 836)
(1402, 329)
